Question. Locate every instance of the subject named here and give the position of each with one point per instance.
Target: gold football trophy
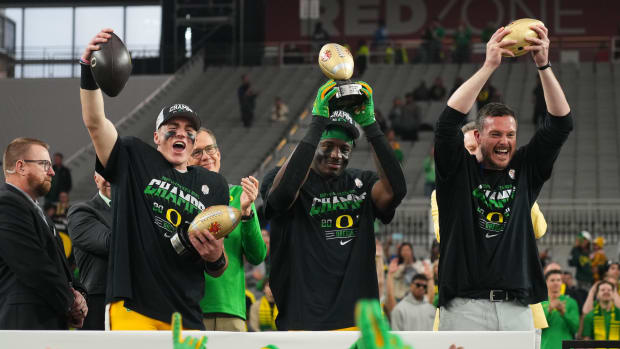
(336, 62)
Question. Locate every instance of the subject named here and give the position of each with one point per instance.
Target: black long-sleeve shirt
(487, 239)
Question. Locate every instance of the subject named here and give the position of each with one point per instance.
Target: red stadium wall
(406, 19)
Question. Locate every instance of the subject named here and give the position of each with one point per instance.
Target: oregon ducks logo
(344, 221)
(495, 217)
(173, 217)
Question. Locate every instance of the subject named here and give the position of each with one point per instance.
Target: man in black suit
(90, 224)
(36, 289)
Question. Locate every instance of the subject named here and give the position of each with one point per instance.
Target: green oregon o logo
(169, 218)
(491, 215)
(349, 221)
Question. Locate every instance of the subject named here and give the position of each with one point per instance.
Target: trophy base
(349, 95)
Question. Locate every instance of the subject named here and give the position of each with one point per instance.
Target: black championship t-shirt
(487, 238)
(323, 252)
(151, 201)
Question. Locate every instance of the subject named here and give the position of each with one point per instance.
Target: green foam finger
(176, 328)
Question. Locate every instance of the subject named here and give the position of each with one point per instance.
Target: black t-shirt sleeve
(449, 148)
(119, 158)
(544, 147)
(223, 194)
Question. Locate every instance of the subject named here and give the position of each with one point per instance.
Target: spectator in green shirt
(602, 323)
(429, 173)
(561, 311)
(223, 305)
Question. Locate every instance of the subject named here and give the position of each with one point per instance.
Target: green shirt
(561, 327)
(226, 294)
(429, 169)
(588, 323)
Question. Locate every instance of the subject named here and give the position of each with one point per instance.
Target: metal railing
(565, 219)
(579, 48)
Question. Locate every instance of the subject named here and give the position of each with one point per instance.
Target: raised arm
(390, 189)
(554, 96)
(101, 130)
(293, 174)
(464, 97)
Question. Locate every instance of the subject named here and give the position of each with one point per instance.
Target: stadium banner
(345, 20)
(255, 340)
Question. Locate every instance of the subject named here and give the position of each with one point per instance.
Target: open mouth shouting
(179, 146)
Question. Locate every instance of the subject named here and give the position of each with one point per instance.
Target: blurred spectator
(561, 312)
(408, 266)
(247, 100)
(612, 271)
(598, 258)
(361, 58)
(263, 313)
(61, 180)
(434, 251)
(279, 110)
(437, 91)
(391, 137)
(410, 121)
(62, 206)
(416, 312)
(487, 95)
(580, 259)
(421, 93)
(320, 36)
(380, 264)
(429, 173)
(462, 44)
(487, 32)
(591, 300)
(601, 323)
(545, 257)
(540, 107)
(433, 37)
(457, 83)
(256, 275)
(389, 54)
(397, 110)
(380, 36)
(570, 289)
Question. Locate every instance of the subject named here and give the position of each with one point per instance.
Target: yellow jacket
(540, 228)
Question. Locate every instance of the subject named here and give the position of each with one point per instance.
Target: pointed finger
(331, 93)
(536, 41)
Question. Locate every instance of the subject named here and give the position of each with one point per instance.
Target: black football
(111, 66)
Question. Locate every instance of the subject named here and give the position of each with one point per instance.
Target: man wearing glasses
(36, 288)
(415, 312)
(223, 304)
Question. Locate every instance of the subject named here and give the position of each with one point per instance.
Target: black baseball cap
(177, 110)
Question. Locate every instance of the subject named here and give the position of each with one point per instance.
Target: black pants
(95, 320)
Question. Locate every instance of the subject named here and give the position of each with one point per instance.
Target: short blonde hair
(16, 151)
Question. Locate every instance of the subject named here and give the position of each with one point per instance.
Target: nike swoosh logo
(342, 243)
(490, 236)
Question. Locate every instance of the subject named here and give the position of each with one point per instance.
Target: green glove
(365, 114)
(374, 328)
(270, 346)
(178, 342)
(323, 95)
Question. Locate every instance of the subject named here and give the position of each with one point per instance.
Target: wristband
(248, 218)
(87, 80)
(217, 265)
(548, 65)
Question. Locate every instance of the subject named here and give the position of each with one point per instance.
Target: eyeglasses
(46, 164)
(209, 149)
(424, 286)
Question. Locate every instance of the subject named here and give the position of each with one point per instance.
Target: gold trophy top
(336, 61)
(520, 29)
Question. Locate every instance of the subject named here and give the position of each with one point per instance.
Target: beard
(39, 187)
